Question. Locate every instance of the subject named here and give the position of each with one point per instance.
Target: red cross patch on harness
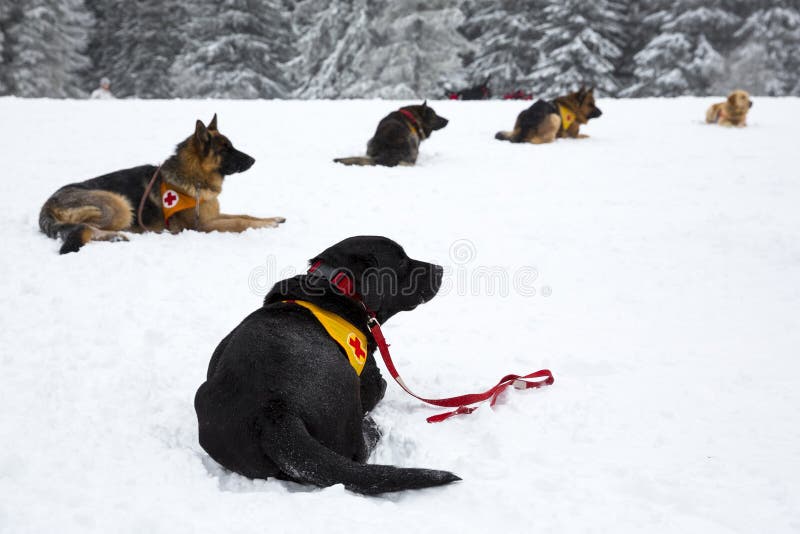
(169, 198)
(358, 351)
(567, 117)
(173, 202)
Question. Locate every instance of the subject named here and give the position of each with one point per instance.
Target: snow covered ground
(655, 268)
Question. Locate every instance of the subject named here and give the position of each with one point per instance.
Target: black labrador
(283, 397)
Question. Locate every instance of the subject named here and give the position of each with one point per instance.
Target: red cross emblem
(170, 198)
(354, 342)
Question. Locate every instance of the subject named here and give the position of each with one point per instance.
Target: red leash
(460, 402)
(144, 197)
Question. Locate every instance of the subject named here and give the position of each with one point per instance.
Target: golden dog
(732, 112)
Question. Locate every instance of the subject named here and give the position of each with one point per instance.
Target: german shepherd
(397, 139)
(282, 396)
(544, 121)
(732, 112)
(100, 208)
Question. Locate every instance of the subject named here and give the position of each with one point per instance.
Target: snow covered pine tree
(5, 16)
(581, 44)
(502, 34)
(141, 41)
(397, 49)
(47, 48)
(682, 58)
(235, 49)
(768, 60)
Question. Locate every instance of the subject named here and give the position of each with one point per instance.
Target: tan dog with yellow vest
(545, 121)
(181, 194)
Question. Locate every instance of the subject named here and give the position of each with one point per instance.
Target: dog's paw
(272, 222)
(372, 434)
(106, 235)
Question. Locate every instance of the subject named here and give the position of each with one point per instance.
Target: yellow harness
(567, 117)
(345, 334)
(172, 202)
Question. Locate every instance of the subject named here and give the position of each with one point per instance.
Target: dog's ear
(732, 99)
(425, 104)
(213, 124)
(201, 133)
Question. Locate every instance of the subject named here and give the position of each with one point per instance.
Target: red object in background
(518, 95)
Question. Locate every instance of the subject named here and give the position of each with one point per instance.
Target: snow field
(668, 250)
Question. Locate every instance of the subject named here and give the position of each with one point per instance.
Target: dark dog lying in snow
(287, 394)
(397, 138)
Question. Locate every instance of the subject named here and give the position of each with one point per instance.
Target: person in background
(104, 91)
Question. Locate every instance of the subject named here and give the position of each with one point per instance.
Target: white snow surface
(667, 304)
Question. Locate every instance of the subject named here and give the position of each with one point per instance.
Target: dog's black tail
(74, 235)
(302, 458)
(358, 160)
(504, 136)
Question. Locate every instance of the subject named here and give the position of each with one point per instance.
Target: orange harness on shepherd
(172, 202)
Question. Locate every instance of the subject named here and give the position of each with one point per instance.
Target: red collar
(414, 122)
(338, 278)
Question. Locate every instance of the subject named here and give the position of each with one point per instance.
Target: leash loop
(461, 402)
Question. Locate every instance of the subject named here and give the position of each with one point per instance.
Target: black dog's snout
(436, 276)
(249, 162)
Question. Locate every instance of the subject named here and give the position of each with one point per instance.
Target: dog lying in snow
(732, 112)
(545, 121)
(184, 197)
(288, 390)
(397, 138)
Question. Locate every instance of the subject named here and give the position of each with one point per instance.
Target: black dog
(285, 398)
(476, 92)
(397, 139)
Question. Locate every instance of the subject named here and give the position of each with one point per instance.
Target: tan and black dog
(732, 112)
(397, 139)
(180, 195)
(544, 121)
